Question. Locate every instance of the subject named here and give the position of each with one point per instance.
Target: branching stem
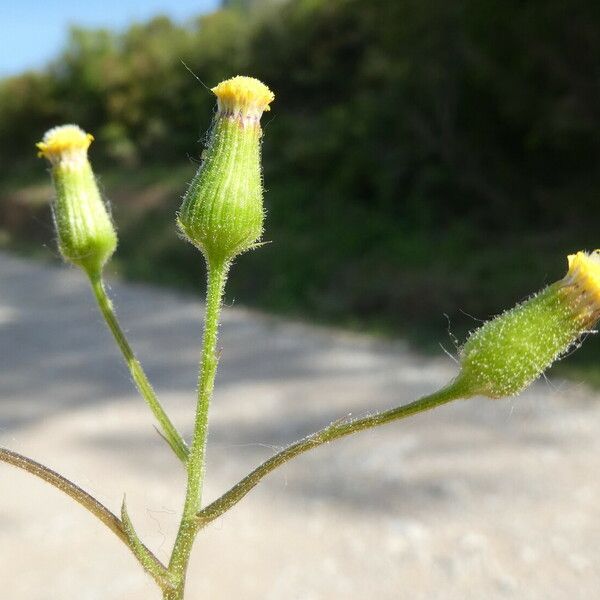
(171, 579)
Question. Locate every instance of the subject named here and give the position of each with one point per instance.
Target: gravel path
(476, 500)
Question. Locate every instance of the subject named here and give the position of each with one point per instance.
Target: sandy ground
(478, 499)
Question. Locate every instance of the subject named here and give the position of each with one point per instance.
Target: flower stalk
(336, 430)
(167, 429)
(217, 277)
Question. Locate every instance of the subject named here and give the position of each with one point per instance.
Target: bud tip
(243, 94)
(64, 140)
(584, 271)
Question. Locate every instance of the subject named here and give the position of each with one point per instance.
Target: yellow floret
(244, 94)
(64, 140)
(584, 270)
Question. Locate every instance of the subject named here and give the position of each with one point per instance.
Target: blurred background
(422, 158)
(427, 164)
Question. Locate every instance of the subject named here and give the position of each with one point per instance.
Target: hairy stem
(217, 277)
(168, 430)
(176, 594)
(80, 496)
(334, 431)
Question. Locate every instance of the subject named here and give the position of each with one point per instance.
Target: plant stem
(169, 432)
(335, 430)
(76, 493)
(217, 277)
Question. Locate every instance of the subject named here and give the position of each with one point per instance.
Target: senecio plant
(222, 215)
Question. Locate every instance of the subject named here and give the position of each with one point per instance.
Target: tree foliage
(407, 135)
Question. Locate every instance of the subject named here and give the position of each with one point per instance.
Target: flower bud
(505, 355)
(222, 211)
(86, 236)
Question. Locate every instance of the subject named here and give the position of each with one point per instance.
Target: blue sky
(33, 31)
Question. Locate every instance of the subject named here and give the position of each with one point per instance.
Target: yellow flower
(243, 96)
(64, 143)
(582, 285)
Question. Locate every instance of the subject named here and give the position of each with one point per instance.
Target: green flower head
(222, 212)
(86, 236)
(506, 354)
